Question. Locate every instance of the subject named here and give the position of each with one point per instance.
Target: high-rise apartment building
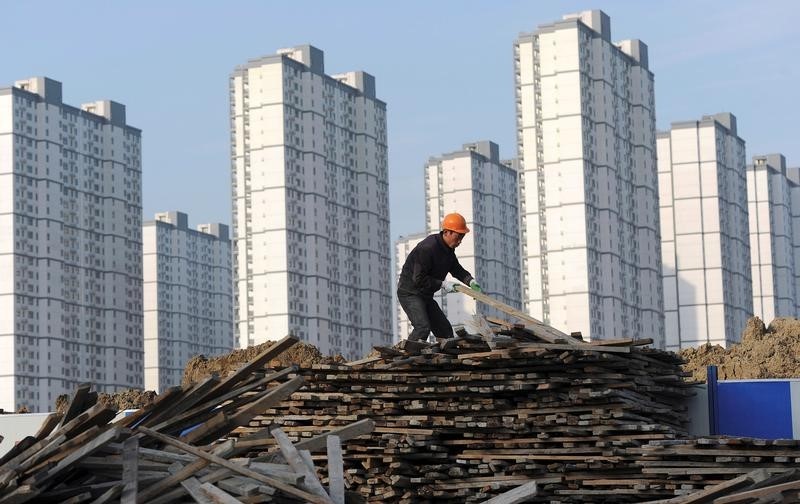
(772, 237)
(70, 246)
(588, 187)
(310, 204)
(475, 183)
(708, 293)
(793, 174)
(188, 296)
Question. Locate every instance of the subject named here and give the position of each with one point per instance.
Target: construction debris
(764, 352)
(174, 449)
(518, 412)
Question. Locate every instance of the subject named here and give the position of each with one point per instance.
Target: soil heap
(303, 354)
(125, 399)
(764, 352)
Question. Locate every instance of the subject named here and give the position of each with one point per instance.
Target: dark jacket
(427, 265)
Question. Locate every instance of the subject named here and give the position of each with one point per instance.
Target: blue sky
(444, 68)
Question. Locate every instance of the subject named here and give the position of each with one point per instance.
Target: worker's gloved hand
(475, 285)
(449, 286)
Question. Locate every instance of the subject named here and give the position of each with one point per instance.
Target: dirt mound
(764, 352)
(302, 354)
(125, 399)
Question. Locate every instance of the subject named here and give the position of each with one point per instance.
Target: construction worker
(423, 274)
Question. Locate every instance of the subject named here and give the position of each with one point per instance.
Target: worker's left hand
(475, 285)
(448, 286)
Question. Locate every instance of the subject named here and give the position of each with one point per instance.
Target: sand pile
(302, 354)
(764, 352)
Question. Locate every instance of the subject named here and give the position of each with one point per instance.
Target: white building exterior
(772, 240)
(70, 246)
(188, 296)
(476, 184)
(793, 174)
(310, 205)
(402, 247)
(588, 187)
(708, 293)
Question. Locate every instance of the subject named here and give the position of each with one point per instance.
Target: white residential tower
(70, 246)
(188, 296)
(708, 293)
(588, 188)
(310, 204)
(772, 236)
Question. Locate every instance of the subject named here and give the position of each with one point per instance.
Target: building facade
(70, 246)
(708, 292)
(769, 203)
(188, 296)
(475, 183)
(588, 186)
(310, 205)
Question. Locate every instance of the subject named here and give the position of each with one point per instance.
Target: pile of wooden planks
(517, 406)
(761, 486)
(472, 417)
(174, 450)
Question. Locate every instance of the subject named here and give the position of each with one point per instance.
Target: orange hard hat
(455, 222)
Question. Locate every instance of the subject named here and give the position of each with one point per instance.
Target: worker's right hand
(448, 286)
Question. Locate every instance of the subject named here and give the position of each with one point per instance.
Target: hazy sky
(444, 68)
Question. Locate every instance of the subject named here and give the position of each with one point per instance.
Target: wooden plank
(151, 492)
(130, 470)
(24, 445)
(218, 495)
(242, 416)
(710, 492)
(759, 492)
(344, 433)
(335, 470)
(622, 341)
(239, 485)
(109, 495)
(258, 362)
(282, 472)
(314, 499)
(185, 400)
(537, 327)
(163, 401)
(95, 444)
(192, 487)
(48, 424)
(190, 417)
(76, 405)
(516, 496)
(365, 360)
(293, 457)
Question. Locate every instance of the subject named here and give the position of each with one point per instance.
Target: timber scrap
(176, 449)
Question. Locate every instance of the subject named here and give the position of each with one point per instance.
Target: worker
(423, 274)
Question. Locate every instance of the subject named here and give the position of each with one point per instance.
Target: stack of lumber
(172, 450)
(712, 467)
(460, 422)
(472, 417)
(760, 486)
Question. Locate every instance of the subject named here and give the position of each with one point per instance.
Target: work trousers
(425, 315)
